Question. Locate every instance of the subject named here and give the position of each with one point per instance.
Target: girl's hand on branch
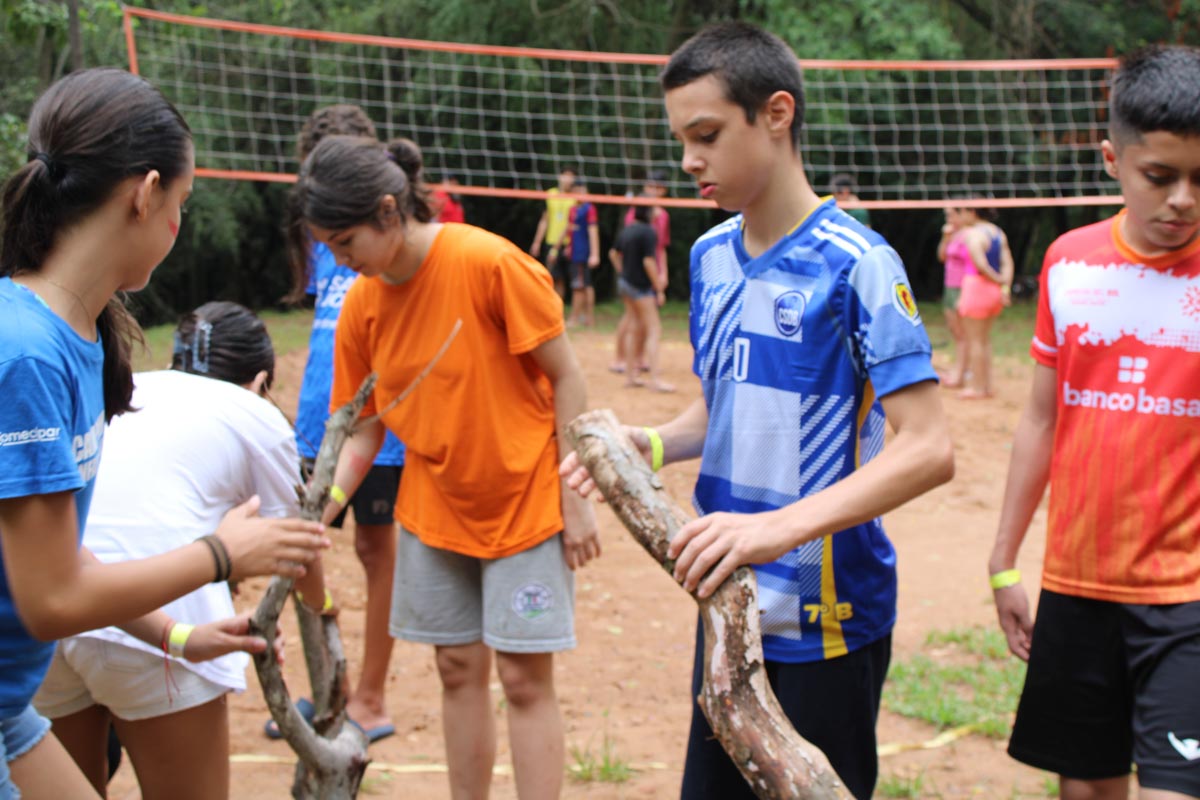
(577, 477)
(215, 639)
(267, 546)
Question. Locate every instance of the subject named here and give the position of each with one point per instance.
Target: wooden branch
(333, 755)
(736, 697)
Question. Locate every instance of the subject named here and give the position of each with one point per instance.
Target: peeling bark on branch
(743, 711)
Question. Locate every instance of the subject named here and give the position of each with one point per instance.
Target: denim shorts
(627, 289)
(18, 735)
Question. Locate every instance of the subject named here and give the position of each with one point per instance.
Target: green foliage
(605, 767)
(966, 677)
(231, 246)
(904, 786)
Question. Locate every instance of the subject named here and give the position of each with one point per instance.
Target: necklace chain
(87, 315)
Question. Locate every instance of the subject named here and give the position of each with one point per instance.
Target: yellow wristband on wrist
(328, 604)
(1002, 580)
(337, 494)
(656, 449)
(177, 640)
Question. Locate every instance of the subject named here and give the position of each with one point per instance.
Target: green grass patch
(289, 332)
(905, 786)
(965, 677)
(606, 766)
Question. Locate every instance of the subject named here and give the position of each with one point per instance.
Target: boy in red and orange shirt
(1113, 425)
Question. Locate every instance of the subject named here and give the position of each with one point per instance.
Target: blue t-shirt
(793, 349)
(51, 431)
(583, 215)
(329, 282)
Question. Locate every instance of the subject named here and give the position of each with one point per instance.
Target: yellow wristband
(1002, 580)
(337, 494)
(656, 449)
(328, 600)
(180, 632)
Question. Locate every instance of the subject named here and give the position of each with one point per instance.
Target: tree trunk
(333, 754)
(743, 711)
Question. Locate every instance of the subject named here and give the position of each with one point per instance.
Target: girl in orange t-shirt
(488, 536)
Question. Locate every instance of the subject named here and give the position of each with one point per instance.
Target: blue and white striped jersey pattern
(792, 349)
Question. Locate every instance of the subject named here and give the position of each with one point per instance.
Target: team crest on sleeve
(789, 311)
(905, 303)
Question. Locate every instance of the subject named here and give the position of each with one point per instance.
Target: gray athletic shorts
(523, 603)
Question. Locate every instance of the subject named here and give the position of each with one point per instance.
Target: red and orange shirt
(1122, 331)
(481, 471)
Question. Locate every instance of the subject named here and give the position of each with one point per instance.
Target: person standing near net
(489, 536)
(660, 220)
(1113, 426)
(94, 210)
(374, 502)
(807, 343)
(987, 276)
(952, 252)
(583, 237)
(551, 233)
(642, 290)
(204, 440)
(844, 191)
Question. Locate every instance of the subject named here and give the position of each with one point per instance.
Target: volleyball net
(506, 120)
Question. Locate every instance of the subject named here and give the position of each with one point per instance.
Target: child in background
(643, 290)
(204, 440)
(952, 252)
(807, 343)
(552, 229)
(1113, 425)
(660, 220)
(986, 282)
(447, 205)
(375, 500)
(584, 238)
(93, 212)
(488, 535)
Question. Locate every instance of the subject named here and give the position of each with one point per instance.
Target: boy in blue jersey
(807, 341)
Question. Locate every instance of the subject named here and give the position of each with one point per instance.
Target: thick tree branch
(743, 711)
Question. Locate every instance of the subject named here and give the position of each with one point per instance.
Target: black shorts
(1110, 685)
(375, 501)
(558, 266)
(581, 275)
(834, 704)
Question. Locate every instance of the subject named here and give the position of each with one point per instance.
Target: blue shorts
(18, 735)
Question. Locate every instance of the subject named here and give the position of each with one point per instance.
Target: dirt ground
(628, 681)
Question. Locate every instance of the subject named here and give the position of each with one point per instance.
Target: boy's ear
(1109, 154)
(779, 111)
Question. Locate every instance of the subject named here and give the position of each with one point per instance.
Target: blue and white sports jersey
(329, 283)
(51, 433)
(793, 350)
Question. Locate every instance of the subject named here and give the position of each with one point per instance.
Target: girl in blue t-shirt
(93, 212)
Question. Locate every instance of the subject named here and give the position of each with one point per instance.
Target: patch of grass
(1050, 786)
(289, 332)
(605, 767)
(904, 786)
(965, 677)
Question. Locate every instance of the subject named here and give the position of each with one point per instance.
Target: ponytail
(118, 332)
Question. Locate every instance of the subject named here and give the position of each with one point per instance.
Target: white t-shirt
(196, 448)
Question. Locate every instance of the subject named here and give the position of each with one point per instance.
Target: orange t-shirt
(481, 461)
(1122, 332)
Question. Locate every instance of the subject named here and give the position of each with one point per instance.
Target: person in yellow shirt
(552, 229)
